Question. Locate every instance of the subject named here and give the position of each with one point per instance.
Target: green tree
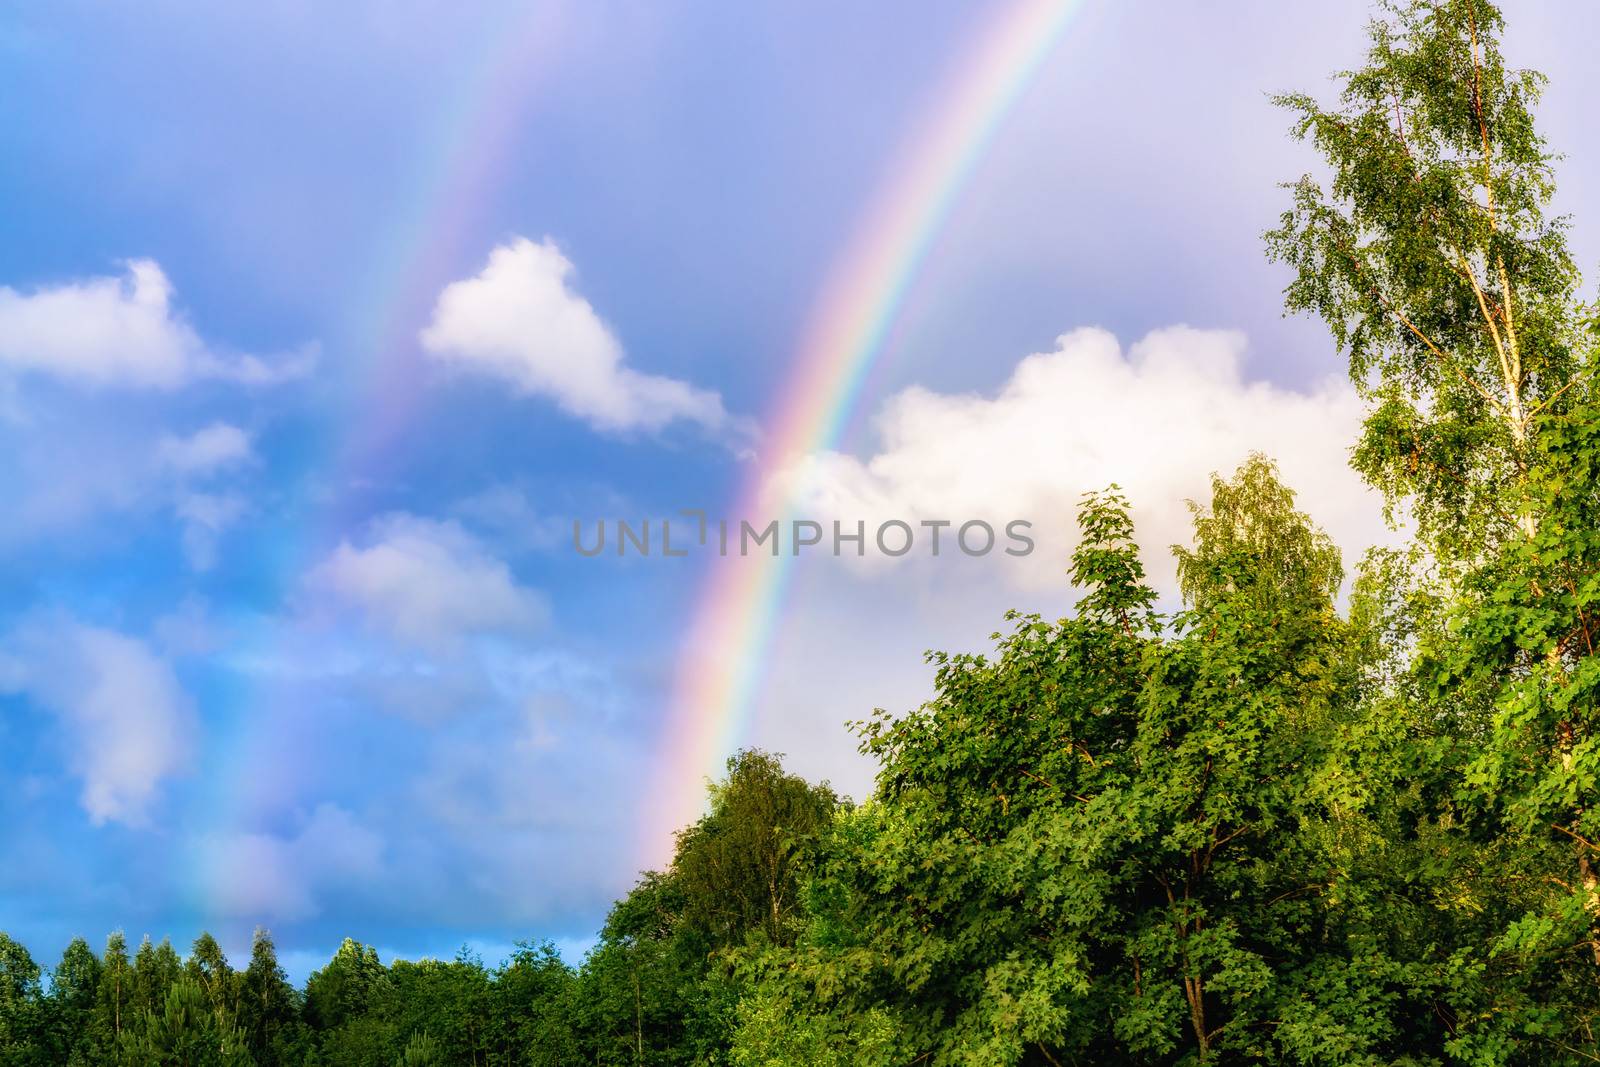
(421, 1051)
(186, 1032)
(947, 927)
(633, 998)
(348, 1005)
(116, 988)
(1433, 259)
(21, 1012)
(1435, 262)
(1253, 545)
(738, 865)
(658, 987)
(448, 1000)
(208, 968)
(74, 993)
(1113, 841)
(268, 1010)
(353, 984)
(155, 970)
(532, 1015)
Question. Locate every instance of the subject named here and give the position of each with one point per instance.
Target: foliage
(659, 986)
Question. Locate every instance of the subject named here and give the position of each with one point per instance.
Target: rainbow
(731, 631)
(472, 133)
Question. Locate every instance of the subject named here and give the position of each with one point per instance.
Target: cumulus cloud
(127, 720)
(521, 321)
(207, 450)
(264, 876)
(427, 582)
(121, 331)
(1158, 420)
(1157, 417)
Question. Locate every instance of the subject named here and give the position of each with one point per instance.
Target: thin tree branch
(1547, 401)
(1576, 837)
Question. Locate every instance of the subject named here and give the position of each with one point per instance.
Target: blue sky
(320, 323)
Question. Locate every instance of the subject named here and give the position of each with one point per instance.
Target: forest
(1312, 816)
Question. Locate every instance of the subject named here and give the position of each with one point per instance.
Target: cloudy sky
(320, 324)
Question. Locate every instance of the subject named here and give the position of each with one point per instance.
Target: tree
(633, 997)
(116, 988)
(352, 984)
(268, 1011)
(74, 993)
(448, 1000)
(1224, 798)
(20, 1008)
(208, 968)
(1433, 260)
(658, 987)
(947, 923)
(533, 1008)
(155, 970)
(738, 865)
(1116, 840)
(1436, 265)
(348, 1005)
(186, 1032)
(1253, 543)
(421, 1051)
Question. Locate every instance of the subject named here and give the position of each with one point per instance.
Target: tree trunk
(638, 1021)
(1194, 992)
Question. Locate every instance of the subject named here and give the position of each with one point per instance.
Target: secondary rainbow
(437, 205)
(729, 637)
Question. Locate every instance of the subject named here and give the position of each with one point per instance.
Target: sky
(321, 325)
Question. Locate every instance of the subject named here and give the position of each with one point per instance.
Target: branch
(1583, 617)
(1052, 785)
(1291, 892)
(1547, 401)
(1576, 837)
(1425, 339)
(1477, 110)
(1511, 322)
(1488, 319)
(1216, 844)
(1389, 306)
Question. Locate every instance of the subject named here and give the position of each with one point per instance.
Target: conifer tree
(268, 1011)
(116, 986)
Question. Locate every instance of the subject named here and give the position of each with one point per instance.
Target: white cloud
(1157, 420)
(203, 455)
(127, 720)
(428, 582)
(121, 331)
(98, 468)
(263, 876)
(521, 321)
(207, 450)
(205, 516)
